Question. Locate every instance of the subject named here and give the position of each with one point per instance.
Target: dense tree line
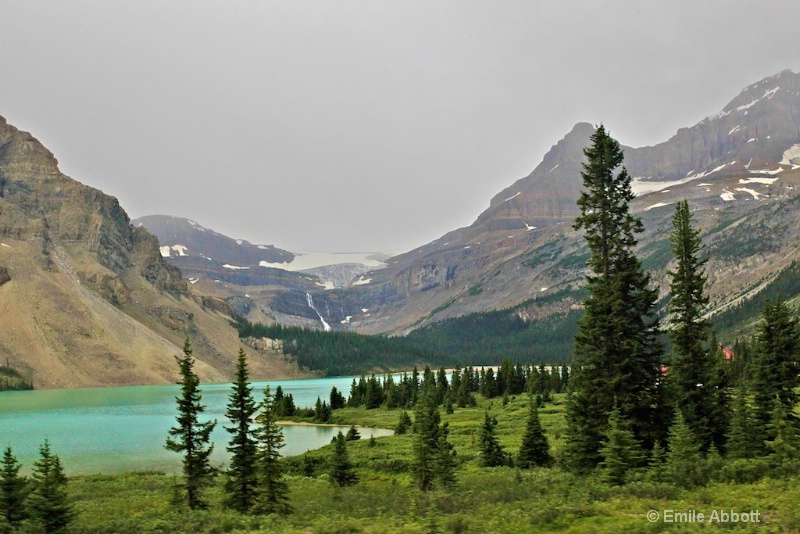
(343, 353)
(625, 391)
(38, 503)
(458, 391)
(487, 338)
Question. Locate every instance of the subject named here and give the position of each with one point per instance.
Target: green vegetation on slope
(740, 319)
(11, 379)
(344, 353)
(490, 337)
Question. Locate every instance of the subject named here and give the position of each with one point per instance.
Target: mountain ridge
(87, 299)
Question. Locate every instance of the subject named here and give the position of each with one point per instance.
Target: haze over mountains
(70, 251)
(736, 166)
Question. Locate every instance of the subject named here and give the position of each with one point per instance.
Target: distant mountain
(275, 281)
(738, 168)
(86, 299)
(184, 237)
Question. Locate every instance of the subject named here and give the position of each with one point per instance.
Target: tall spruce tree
(342, 472)
(693, 370)
(445, 464)
(743, 436)
(783, 443)
(777, 365)
(491, 452)
(191, 437)
(13, 490)
(273, 492)
(49, 504)
(242, 482)
(617, 351)
(535, 449)
(433, 454)
(426, 422)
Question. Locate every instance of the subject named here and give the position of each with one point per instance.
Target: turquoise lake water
(117, 429)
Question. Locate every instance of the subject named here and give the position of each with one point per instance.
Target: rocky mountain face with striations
(86, 298)
(738, 168)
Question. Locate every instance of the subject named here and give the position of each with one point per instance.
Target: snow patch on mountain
(776, 171)
(166, 250)
(659, 205)
(235, 267)
(641, 185)
(308, 260)
(791, 156)
(767, 181)
(755, 194)
(727, 196)
(767, 94)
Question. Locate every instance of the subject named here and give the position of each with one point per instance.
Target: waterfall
(310, 301)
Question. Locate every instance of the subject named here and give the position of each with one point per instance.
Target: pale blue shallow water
(118, 429)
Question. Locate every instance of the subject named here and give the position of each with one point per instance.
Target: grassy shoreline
(502, 500)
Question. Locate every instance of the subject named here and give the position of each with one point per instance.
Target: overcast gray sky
(361, 126)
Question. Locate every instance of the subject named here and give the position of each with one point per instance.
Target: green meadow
(491, 500)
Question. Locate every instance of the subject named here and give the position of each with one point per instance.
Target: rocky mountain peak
(785, 82)
(24, 154)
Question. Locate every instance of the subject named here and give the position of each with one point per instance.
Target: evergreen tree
(657, 467)
(353, 434)
(783, 443)
(720, 417)
(683, 464)
(426, 422)
(341, 469)
(743, 435)
(535, 449)
(492, 454)
(445, 458)
(13, 490)
(433, 454)
(192, 437)
(374, 394)
(693, 368)
(776, 375)
(617, 351)
(337, 399)
(620, 450)
(49, 506)
(273, 492)
(442, 386)
(403, 424)
(242, 480)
